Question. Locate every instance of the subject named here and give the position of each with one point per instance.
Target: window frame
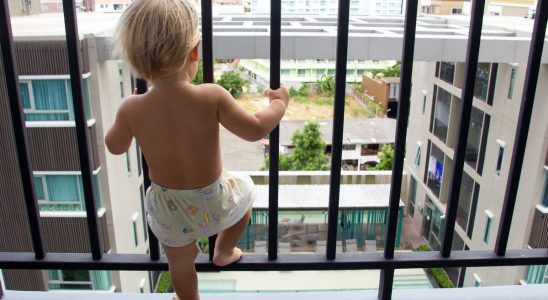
(512, 84)
(488, 226)
(64, 282)
(134, 218)
(500, 157)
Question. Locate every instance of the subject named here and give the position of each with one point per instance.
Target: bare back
(177, 128)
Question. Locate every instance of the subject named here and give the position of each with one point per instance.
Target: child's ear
(194, 53)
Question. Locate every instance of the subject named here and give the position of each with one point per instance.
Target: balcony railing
(387, 262)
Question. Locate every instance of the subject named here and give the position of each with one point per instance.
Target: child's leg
(225, 246)
(182, 270)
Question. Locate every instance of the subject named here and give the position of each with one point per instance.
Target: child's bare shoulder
(213, 91)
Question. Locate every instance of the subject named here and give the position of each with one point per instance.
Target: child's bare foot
(223, 259)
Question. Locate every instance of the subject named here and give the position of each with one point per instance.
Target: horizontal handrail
(284, 262)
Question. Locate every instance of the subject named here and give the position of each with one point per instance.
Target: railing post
(338, 125)
(207, 63)
(20, 133)
(408, 50)
(82, 134)
(472, 53)
(524, 120)
(274, 139)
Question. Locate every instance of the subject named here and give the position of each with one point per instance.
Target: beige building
(444, 7)
(431, 137)
(516, 8)
(47, 107)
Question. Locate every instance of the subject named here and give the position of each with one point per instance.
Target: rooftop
(317, 196)
(356, 131)
(504, 39)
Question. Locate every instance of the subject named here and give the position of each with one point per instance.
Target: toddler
(176, 124)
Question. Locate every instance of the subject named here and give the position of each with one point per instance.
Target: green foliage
(386, 158)
(393, 71)
(199, 79)
(441, 278)
(164, 283)
(303, 91)
(438, 273)
(232, 82)
(326, 85)
(424, 248)
(203, 244)
(308, 152)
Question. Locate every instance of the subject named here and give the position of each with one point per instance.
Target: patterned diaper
(179, 217)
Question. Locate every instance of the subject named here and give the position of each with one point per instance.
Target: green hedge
(164, 283)
(438, 273)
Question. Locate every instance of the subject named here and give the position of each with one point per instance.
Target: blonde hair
(155, 36)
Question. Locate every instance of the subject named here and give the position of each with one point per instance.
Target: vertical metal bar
(386, 283)
(82, 134)
(153, 245)
(1, 291)
(408, 50)
(207, 60)
(520, 140)
(19, 131)
(338, 125)
(207, 41)
(472, 53)
(275, 57)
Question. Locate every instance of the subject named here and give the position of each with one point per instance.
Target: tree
(386, 157)
(393, 71)
(232, 82)
(199, 79)
(308, 153)
(326, 85)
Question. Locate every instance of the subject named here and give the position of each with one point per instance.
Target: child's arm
(248, 126)
(119, 137)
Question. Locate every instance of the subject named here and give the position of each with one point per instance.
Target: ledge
(523, 292)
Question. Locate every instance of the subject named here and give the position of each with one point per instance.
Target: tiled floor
(522, 292)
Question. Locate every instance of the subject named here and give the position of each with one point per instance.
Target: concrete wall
(377, 89)
(119, 185)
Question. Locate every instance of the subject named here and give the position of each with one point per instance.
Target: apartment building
(111, 5)
(384, 91)
(362, 7)
(47, 103)
(295, 72)
(24, 7)
(433, 125)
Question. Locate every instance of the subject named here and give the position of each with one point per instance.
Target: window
(50, 99)
(447, 71)
(320, 72)
(418, 154)
(482, 81)
(537, 274)
(143, 214)
(424, 94)
(513, 74)
(285, 71)
(435, 169)
(544, 199)
(301, 72)
(394, 91)
(468, 198)
(349, 146)
(139, 160)
(442, 106)
(475, 132)
(488, 226)
(477, 280)
(412, 196)
(128, 164)
(134, 224)
(500, 157)
(456, 11)
(69, 280)
(62, 192)
(78, 280)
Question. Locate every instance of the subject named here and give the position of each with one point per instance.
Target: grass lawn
(306, 108)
